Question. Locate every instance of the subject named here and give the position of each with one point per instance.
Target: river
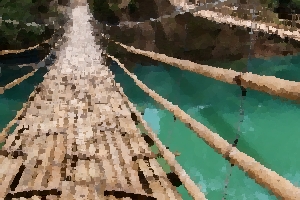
(270, 131)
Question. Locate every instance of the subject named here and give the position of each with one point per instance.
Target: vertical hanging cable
(243, 96)
(179, 83)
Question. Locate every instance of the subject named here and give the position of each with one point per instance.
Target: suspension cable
(241, 113)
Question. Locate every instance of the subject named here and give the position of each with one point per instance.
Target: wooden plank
(103, 159)
(18, 137)
(28, 174)
(43, 170)
(37, 164)
(55, 176)
(83, 188)
(11, 141)
(71, 147)
(48, 197)
(68, 190)
(129, 165)
(98, 181)
(136, 141)
(158, 191)
(86, 182)
(9, 168)
(115, 158)
(171, 190)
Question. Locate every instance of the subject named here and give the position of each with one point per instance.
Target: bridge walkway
(78, 138)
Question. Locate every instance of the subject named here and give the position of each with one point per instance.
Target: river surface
(270, 131)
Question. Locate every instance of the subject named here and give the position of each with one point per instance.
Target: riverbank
(197, 39)
(203, 37)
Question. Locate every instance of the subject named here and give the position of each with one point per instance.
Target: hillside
(28, 22)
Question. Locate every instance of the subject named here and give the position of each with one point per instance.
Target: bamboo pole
(17, 81)
(3, 52)
(190, 186)
(268, 84)
(262, 175)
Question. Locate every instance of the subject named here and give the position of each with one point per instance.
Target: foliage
(132, 7)
(16, 34)
(103, 12)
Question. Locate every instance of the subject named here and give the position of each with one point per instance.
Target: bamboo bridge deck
(78, 138)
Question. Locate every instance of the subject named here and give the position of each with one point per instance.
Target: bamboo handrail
(190, 186)
(17, 81)
(4, 132)
(268, 84)
(3, 52)
(265, 177)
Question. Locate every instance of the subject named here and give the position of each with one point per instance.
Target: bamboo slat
(37, 165)
(161, 174)
(115, 158)
(56, 162)
(154, 184)
(9, 169)
(128, 164)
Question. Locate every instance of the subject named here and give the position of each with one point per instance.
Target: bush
(103, 12)
(20, 35)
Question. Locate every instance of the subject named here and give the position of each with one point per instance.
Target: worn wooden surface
(77, 139)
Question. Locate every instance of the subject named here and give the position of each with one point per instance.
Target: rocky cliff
(194, 38)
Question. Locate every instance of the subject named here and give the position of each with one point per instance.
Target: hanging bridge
(77, 136)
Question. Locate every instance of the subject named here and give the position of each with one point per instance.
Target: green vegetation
(132, 7)
(23, 22)
(103, 11)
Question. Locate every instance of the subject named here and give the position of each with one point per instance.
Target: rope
(17, 81)
(191, 187)
(243, 96)
(4, 132)
(262, 175)
(20, 113)
(3, 52)
(283, 88)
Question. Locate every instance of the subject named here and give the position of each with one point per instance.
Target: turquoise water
(12, 100)
(270, 132)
